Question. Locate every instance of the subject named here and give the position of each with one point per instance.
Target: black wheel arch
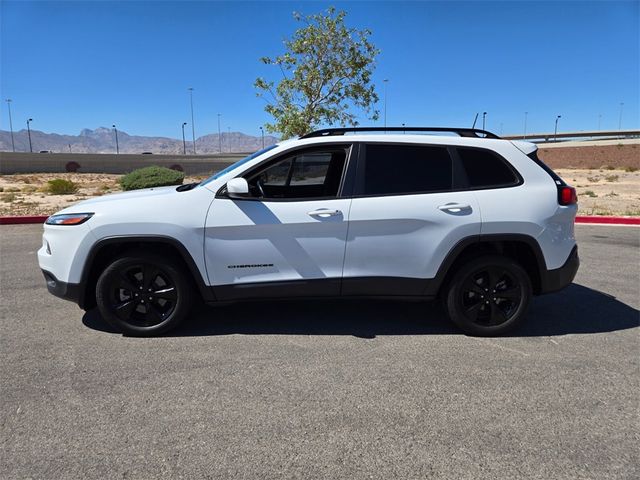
(107, 249)
(521, 247)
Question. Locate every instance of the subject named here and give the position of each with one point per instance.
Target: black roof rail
(463, 132)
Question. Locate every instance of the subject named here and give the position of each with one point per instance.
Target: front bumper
(68, 291)
(557, 279)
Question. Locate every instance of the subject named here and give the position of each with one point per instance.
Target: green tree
(326, 72)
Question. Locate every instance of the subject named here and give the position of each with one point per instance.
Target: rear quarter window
(485, 169)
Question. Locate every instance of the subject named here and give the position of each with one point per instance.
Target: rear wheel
(488, 296)
(143, 294)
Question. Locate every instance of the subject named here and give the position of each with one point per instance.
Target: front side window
(403, 169)
(304, 174)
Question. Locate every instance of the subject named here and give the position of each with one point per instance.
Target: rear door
(406, 215)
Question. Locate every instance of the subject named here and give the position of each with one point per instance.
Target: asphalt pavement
(333, 389)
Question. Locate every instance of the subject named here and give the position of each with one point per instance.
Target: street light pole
(13, 145)
(29, 133)
(555, 132)
(184, 143)
(620, 119)
(524, 137)
(262, 134)
(117, 146)
(219, 136)
(385, 81)
(484, 116)
(193, 126)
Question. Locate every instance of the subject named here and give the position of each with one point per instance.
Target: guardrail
(551, 137)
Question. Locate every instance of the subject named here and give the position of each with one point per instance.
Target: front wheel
(488, 296)
(143, 294)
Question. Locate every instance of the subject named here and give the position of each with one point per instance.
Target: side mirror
(237, 188)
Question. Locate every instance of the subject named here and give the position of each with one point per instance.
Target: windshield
(233, 166)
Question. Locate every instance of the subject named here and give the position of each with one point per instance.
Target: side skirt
(361, 287)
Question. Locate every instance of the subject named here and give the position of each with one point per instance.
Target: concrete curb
(580, 219)
(22, 220)
(598, 219)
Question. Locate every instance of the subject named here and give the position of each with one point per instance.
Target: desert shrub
(72, 166)
(593, 179)
(612, 178)
(177, 167)
(1, 189)
(151, 177)
(30, 189)
(60, 186)
(9, 197)
(610, 167)
(590, 193)
(12, 189)
(630, 169)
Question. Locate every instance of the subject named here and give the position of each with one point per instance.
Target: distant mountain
(103, 140)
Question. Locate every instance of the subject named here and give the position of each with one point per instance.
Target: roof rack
(463, 132)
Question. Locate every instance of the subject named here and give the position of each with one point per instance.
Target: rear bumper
(68, 291)
(557, 279)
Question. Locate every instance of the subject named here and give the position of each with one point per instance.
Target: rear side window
(401, 169)
(485, 169)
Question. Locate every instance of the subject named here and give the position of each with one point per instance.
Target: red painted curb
(609, 220)
(579, 219)
(21, 220)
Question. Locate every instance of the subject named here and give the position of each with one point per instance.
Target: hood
(115, 197)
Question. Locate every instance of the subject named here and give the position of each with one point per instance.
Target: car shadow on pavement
(575, 310)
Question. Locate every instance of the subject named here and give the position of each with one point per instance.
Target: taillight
(567, 195)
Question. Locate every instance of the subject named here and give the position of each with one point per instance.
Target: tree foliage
(326, 72)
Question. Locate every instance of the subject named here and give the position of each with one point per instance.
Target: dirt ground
(603, 191)
(26, 194)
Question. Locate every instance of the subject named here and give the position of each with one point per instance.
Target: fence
(11, 163)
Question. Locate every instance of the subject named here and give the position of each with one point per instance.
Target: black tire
(143, 294)
(488, 296)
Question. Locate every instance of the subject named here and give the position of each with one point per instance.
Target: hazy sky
(74, 65)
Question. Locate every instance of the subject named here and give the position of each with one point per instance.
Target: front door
(288, 238)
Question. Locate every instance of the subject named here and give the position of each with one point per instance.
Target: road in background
(352, 389)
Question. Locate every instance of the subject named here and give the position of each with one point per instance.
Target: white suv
(473, 219)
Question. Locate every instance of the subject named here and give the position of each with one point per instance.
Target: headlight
(68, 219)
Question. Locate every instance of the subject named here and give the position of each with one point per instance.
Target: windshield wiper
(187, 186)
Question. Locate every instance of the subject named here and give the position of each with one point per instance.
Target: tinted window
(308, 174)
(398, 169)
(485, 169)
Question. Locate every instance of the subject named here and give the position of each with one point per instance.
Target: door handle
(324, 212)
(454, 207)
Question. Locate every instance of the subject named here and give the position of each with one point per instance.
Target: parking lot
(334, 389)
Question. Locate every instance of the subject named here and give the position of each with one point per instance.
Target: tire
(143, 294)
(488, 296)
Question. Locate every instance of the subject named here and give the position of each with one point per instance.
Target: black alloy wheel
(489, 296)
(143, 294)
